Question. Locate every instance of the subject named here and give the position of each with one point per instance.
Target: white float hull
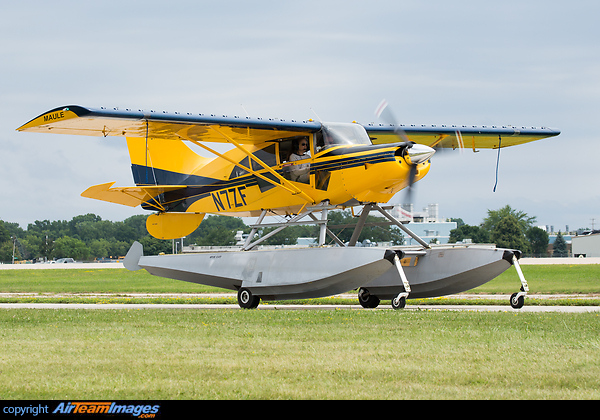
(443, 270)
(284, 274)
(272, 274)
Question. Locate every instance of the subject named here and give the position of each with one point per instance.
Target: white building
(427, 224)
(406, 213)
(586, 245)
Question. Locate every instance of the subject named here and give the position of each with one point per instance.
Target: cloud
(465, 62)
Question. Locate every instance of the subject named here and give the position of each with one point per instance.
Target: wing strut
(284, 183)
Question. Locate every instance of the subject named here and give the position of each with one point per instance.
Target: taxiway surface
(130, 306)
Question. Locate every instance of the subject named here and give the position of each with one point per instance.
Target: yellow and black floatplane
(301, 169)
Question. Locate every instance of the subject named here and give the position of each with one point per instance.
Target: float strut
(517, 300)
(323, 228)
(524, 286)
(400, 300)
(254, 230)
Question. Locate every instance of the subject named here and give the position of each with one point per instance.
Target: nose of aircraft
(419, 153)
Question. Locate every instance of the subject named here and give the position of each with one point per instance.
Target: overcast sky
(534, 63)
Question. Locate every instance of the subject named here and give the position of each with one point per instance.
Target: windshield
(343, 134)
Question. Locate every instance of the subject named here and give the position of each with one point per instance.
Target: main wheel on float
(246, 299)
(367, 300)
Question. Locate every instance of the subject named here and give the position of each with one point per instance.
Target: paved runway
(130, 306)
(284, 306)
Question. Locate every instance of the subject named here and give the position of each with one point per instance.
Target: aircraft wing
(128, 196)
(104, 122)
(459, 136)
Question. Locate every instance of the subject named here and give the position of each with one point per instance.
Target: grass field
(548, 279)
(109, 280)
(233, 354)
(275, 354)
(542, 279)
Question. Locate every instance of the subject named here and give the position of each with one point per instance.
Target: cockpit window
(341, 134)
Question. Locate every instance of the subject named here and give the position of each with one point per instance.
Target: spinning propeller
(413, 153)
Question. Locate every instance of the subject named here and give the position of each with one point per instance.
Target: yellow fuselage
(343, 175)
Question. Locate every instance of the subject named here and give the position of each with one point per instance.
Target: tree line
(88, 237)
(84, 237)
(510, 228)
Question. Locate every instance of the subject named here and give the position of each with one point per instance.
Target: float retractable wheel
(399, 302)
(517, 300)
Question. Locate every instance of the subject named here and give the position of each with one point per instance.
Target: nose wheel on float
(369, 299)
(399, 301)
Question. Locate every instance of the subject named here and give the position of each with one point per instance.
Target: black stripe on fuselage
(199, 187)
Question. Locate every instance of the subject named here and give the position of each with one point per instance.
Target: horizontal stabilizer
(128, 196)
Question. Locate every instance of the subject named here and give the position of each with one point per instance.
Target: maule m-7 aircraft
(299, 169)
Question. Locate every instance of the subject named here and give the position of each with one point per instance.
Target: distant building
(586, 245)
(240, 237)
(406, 213)
(307, 241)
(426, 224)
(430, 232)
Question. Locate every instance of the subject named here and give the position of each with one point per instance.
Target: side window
(290, 145)
(238, 171)
(266, 155)
(285, 149)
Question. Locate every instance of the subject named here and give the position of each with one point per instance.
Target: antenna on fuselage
(316, 115)
(247, 115)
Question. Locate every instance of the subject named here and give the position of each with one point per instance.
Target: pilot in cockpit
(300, 172)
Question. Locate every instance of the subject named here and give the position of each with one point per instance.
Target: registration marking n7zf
(230, 198)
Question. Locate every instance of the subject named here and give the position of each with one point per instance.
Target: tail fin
(133, 257)
(162, 162)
